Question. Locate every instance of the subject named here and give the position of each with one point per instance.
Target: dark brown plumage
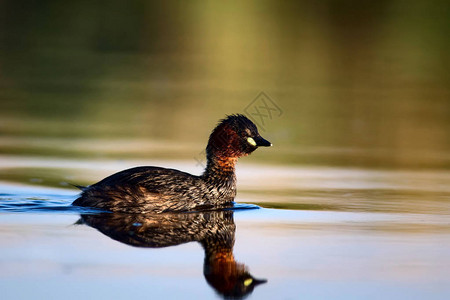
(155, 189)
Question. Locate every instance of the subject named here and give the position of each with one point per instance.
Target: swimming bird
(155, 189)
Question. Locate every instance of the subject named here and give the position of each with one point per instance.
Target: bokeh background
(359, 83)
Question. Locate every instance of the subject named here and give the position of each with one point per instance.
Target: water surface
(326, 233)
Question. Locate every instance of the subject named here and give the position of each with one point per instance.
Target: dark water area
(351, 202)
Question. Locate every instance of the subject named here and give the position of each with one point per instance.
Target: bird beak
(259, 281)
(261, 142)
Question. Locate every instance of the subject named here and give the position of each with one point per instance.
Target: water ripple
(41, 203)
(24, 203)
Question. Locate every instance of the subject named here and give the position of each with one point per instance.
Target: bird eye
(251, 141)
(248, 281)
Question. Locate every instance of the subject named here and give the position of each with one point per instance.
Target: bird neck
(220, 169)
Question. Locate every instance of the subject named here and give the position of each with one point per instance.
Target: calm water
(326, 233)
(354, 196)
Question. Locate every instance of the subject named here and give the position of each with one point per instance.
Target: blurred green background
(358, 83)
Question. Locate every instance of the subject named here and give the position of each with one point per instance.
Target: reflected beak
(261, 142)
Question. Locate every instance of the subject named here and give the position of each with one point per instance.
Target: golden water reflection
(358, 84)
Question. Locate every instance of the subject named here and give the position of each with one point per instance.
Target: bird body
(156, 189)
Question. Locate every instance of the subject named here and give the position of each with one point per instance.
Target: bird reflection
(214, 230)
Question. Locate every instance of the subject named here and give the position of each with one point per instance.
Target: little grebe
(154, 189)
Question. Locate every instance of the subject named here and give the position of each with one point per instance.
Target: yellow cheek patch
(248, 281)
(251, 141)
